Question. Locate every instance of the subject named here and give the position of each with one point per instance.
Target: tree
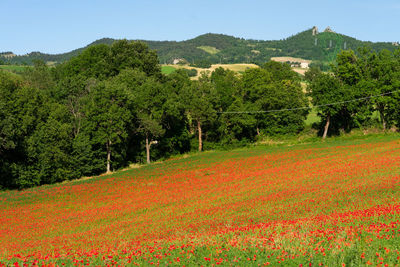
(262, 91)
(174, 119)
(346, 69)
(281, 71)
(379, 78)
(30, 108)
(324, 90)
(108, 117)
(146, 99)
(50, 146)
(312, 73)
(237, 127)
(93, 62)
(40, 76)
(226, 84)
(10, 134)
(149, 101)
(133, 55)
(199, 97)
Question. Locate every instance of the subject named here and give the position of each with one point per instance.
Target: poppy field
(325, 204)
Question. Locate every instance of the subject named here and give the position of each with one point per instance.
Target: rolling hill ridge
(219, 48)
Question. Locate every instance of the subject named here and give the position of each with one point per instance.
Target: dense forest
(111, 106)
(219, 48)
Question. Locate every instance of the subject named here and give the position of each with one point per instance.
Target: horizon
(41, 27)
(289, 35)
(166, 40)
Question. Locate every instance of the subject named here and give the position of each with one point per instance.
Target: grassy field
(333, 203)
(14, 68)
(167, 69)
(209, 49)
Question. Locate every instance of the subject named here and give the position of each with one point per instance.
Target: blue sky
(57, 26)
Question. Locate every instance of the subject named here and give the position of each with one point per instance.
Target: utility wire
(302, 108)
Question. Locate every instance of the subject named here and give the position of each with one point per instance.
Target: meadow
(333, 203)
(14, 68)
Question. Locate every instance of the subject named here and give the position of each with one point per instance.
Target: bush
(191, 72)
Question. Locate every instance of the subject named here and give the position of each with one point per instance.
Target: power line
(302, 108)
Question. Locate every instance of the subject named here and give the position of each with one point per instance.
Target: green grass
(167, 69)
(209, 49)
(14, 68)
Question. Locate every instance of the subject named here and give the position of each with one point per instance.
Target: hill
(336, 203)
(219, 48)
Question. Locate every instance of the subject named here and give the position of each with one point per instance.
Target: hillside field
(14, 68)
(334, 203)
(167, 69)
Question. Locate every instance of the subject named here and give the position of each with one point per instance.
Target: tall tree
(133, 55)
(108, 117)
(199, 98)
(324, 90)
(264, 92)
(146, 99)
(149, 102)
(380, 79)
(226, 84)
(10, 135)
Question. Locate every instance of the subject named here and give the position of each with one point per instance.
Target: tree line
(111, 106)
(372, 77)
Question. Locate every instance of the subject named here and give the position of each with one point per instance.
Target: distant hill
(219, 48)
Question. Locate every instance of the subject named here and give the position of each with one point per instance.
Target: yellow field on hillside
(240, 67)
(233, 67)
(290, 59)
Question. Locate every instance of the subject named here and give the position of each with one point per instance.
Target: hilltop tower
(315, 31)
(328, 29)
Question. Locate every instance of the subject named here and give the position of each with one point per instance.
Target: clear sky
(57, 26)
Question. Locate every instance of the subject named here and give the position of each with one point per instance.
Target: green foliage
(191, 72)
(13, 68)
(238, 127)
(203, 63)
(266, 90)
(323, 90)
(370, 76)
(281, 71)
(104, 108)
(108, 117)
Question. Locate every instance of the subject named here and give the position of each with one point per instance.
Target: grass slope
(167, 69)
(14, 68)
(334, 203)
(209, 49)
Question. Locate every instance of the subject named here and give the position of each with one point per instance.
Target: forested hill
(219, 48)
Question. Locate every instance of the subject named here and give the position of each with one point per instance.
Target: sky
(58, 26)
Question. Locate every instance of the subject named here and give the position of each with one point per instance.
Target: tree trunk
(200, 136)
(147, 149)
(258, 131)
(328, 120)
(382, 120)
(108, 156)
